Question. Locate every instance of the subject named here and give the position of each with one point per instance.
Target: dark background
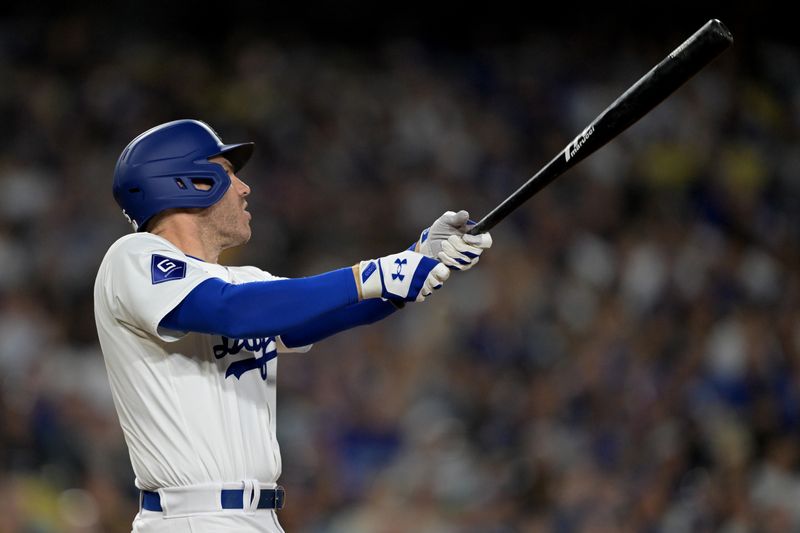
(625, 358)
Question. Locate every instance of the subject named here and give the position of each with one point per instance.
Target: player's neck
(193, 246)
(184, 234)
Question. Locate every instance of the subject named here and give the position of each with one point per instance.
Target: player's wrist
(356, 269)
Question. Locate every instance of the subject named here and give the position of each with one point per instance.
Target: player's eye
(202, 184)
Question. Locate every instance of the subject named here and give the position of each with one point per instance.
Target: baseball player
(191, 346)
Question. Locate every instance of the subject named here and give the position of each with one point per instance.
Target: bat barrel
(717, 32)
(650, 90)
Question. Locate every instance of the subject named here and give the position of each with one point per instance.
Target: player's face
(228, 219)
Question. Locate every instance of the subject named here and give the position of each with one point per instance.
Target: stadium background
(624, 359)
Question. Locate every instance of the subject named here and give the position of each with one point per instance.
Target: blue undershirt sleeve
(360, 314)
(264, 308)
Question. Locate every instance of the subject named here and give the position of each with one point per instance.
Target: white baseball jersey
(194, 408)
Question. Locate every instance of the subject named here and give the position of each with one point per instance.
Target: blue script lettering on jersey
(166, 269)
(234, 346)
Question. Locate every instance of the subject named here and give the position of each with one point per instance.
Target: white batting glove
(447, 240)
(408, 276)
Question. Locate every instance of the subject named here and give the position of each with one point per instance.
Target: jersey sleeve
(148, 279)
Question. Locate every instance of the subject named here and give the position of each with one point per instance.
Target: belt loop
(251, 495)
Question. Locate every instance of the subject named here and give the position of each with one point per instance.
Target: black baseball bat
(651, 89)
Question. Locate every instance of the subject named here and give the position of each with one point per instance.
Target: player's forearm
(261, 309)
(360, 314)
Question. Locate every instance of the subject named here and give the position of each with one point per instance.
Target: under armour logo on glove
(409, 276)
(397, 274)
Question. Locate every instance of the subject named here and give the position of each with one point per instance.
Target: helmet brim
(237, 154)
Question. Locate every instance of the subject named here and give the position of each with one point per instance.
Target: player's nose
(242, 188)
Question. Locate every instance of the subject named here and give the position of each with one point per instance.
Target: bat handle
(496, 215)
(484, 225)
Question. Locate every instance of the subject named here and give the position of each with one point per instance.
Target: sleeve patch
(166, 269)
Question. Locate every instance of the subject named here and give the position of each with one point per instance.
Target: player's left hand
(447, 240)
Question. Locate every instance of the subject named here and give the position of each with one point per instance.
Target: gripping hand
(447, 240)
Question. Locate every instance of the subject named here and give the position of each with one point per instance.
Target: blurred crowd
(625, 358)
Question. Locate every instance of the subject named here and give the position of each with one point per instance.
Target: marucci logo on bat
(573, 147)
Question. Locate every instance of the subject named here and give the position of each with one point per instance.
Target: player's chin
(239, 235)
(247, 232)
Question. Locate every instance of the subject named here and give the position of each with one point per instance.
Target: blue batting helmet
(160, 169)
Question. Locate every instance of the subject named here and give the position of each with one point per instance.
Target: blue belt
(230, 499)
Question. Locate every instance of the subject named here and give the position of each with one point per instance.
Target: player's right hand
(448, 241)
(408, 276)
